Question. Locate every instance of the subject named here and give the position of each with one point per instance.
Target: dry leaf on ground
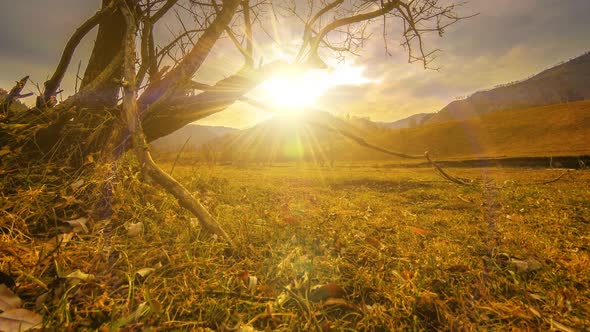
(135, 229)
(327, 291)
(79, 224)
(19, 320)
(77, 274)
(8, 300)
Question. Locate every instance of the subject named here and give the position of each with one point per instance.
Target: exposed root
(140, 145)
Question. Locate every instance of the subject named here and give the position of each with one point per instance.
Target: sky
(508, 40)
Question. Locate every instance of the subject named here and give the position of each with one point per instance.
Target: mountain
(409, 122)
(566, 82)
(198, 135)
(300, 137)
(550, 130)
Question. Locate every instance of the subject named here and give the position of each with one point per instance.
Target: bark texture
(109, 42)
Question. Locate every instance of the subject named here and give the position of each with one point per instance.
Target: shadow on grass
(385, 186)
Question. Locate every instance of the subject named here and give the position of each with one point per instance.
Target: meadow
(353, 247)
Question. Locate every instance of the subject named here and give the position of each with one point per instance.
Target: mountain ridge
(559, 130)
(566, 82)
(194, 134)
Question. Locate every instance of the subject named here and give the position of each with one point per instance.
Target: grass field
(331, 249)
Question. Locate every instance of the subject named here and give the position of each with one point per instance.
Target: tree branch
(53, 83)
(167, 87)
(180, 111)
(14, 94)
(163, 10)
(309, 26)
(386, 7)
(248, 33)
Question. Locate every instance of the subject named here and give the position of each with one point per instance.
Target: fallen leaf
(408, 214)
(458, 268)
(464, 199)
(525, 266)
(336, 302)
(80, 275)
(135, 229)
(427, 297)
(420, 231)
(89, 160)
(327, 291)
(375, 243)
(146, 271)
(8, 300)
(246, 328)
(54, 242)
(290, 219)
(78, 224)
(77, 184)
(64, 238)
(19, 320)
(5, 150)
(283, 298)
(248, 281)
(142, 309)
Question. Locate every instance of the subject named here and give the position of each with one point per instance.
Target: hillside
(198, 135)
(290, 138)
(557, 130)
(566, 82)
(553, 130)
(409, 122)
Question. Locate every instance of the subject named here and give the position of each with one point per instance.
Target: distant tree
(126, 99)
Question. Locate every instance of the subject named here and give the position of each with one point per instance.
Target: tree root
(184, 197)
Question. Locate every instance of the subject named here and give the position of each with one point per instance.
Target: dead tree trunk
(109, 41)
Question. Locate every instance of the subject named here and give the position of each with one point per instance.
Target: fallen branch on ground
(446, 175)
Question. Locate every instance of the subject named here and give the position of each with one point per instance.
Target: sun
(294, 91)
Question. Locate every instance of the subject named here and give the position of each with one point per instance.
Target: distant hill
(553, 130)
(566, 82)
(290, 138)
(409, 122)
(198, 134)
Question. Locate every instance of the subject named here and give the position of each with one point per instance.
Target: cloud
(508, 40)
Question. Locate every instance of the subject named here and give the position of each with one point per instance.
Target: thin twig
(77, 77)
(178, 155)
(555, 179)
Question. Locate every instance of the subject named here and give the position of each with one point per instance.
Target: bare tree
(126, 100)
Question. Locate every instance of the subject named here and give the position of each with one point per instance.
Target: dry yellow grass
(403, 248)
(553, 130)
